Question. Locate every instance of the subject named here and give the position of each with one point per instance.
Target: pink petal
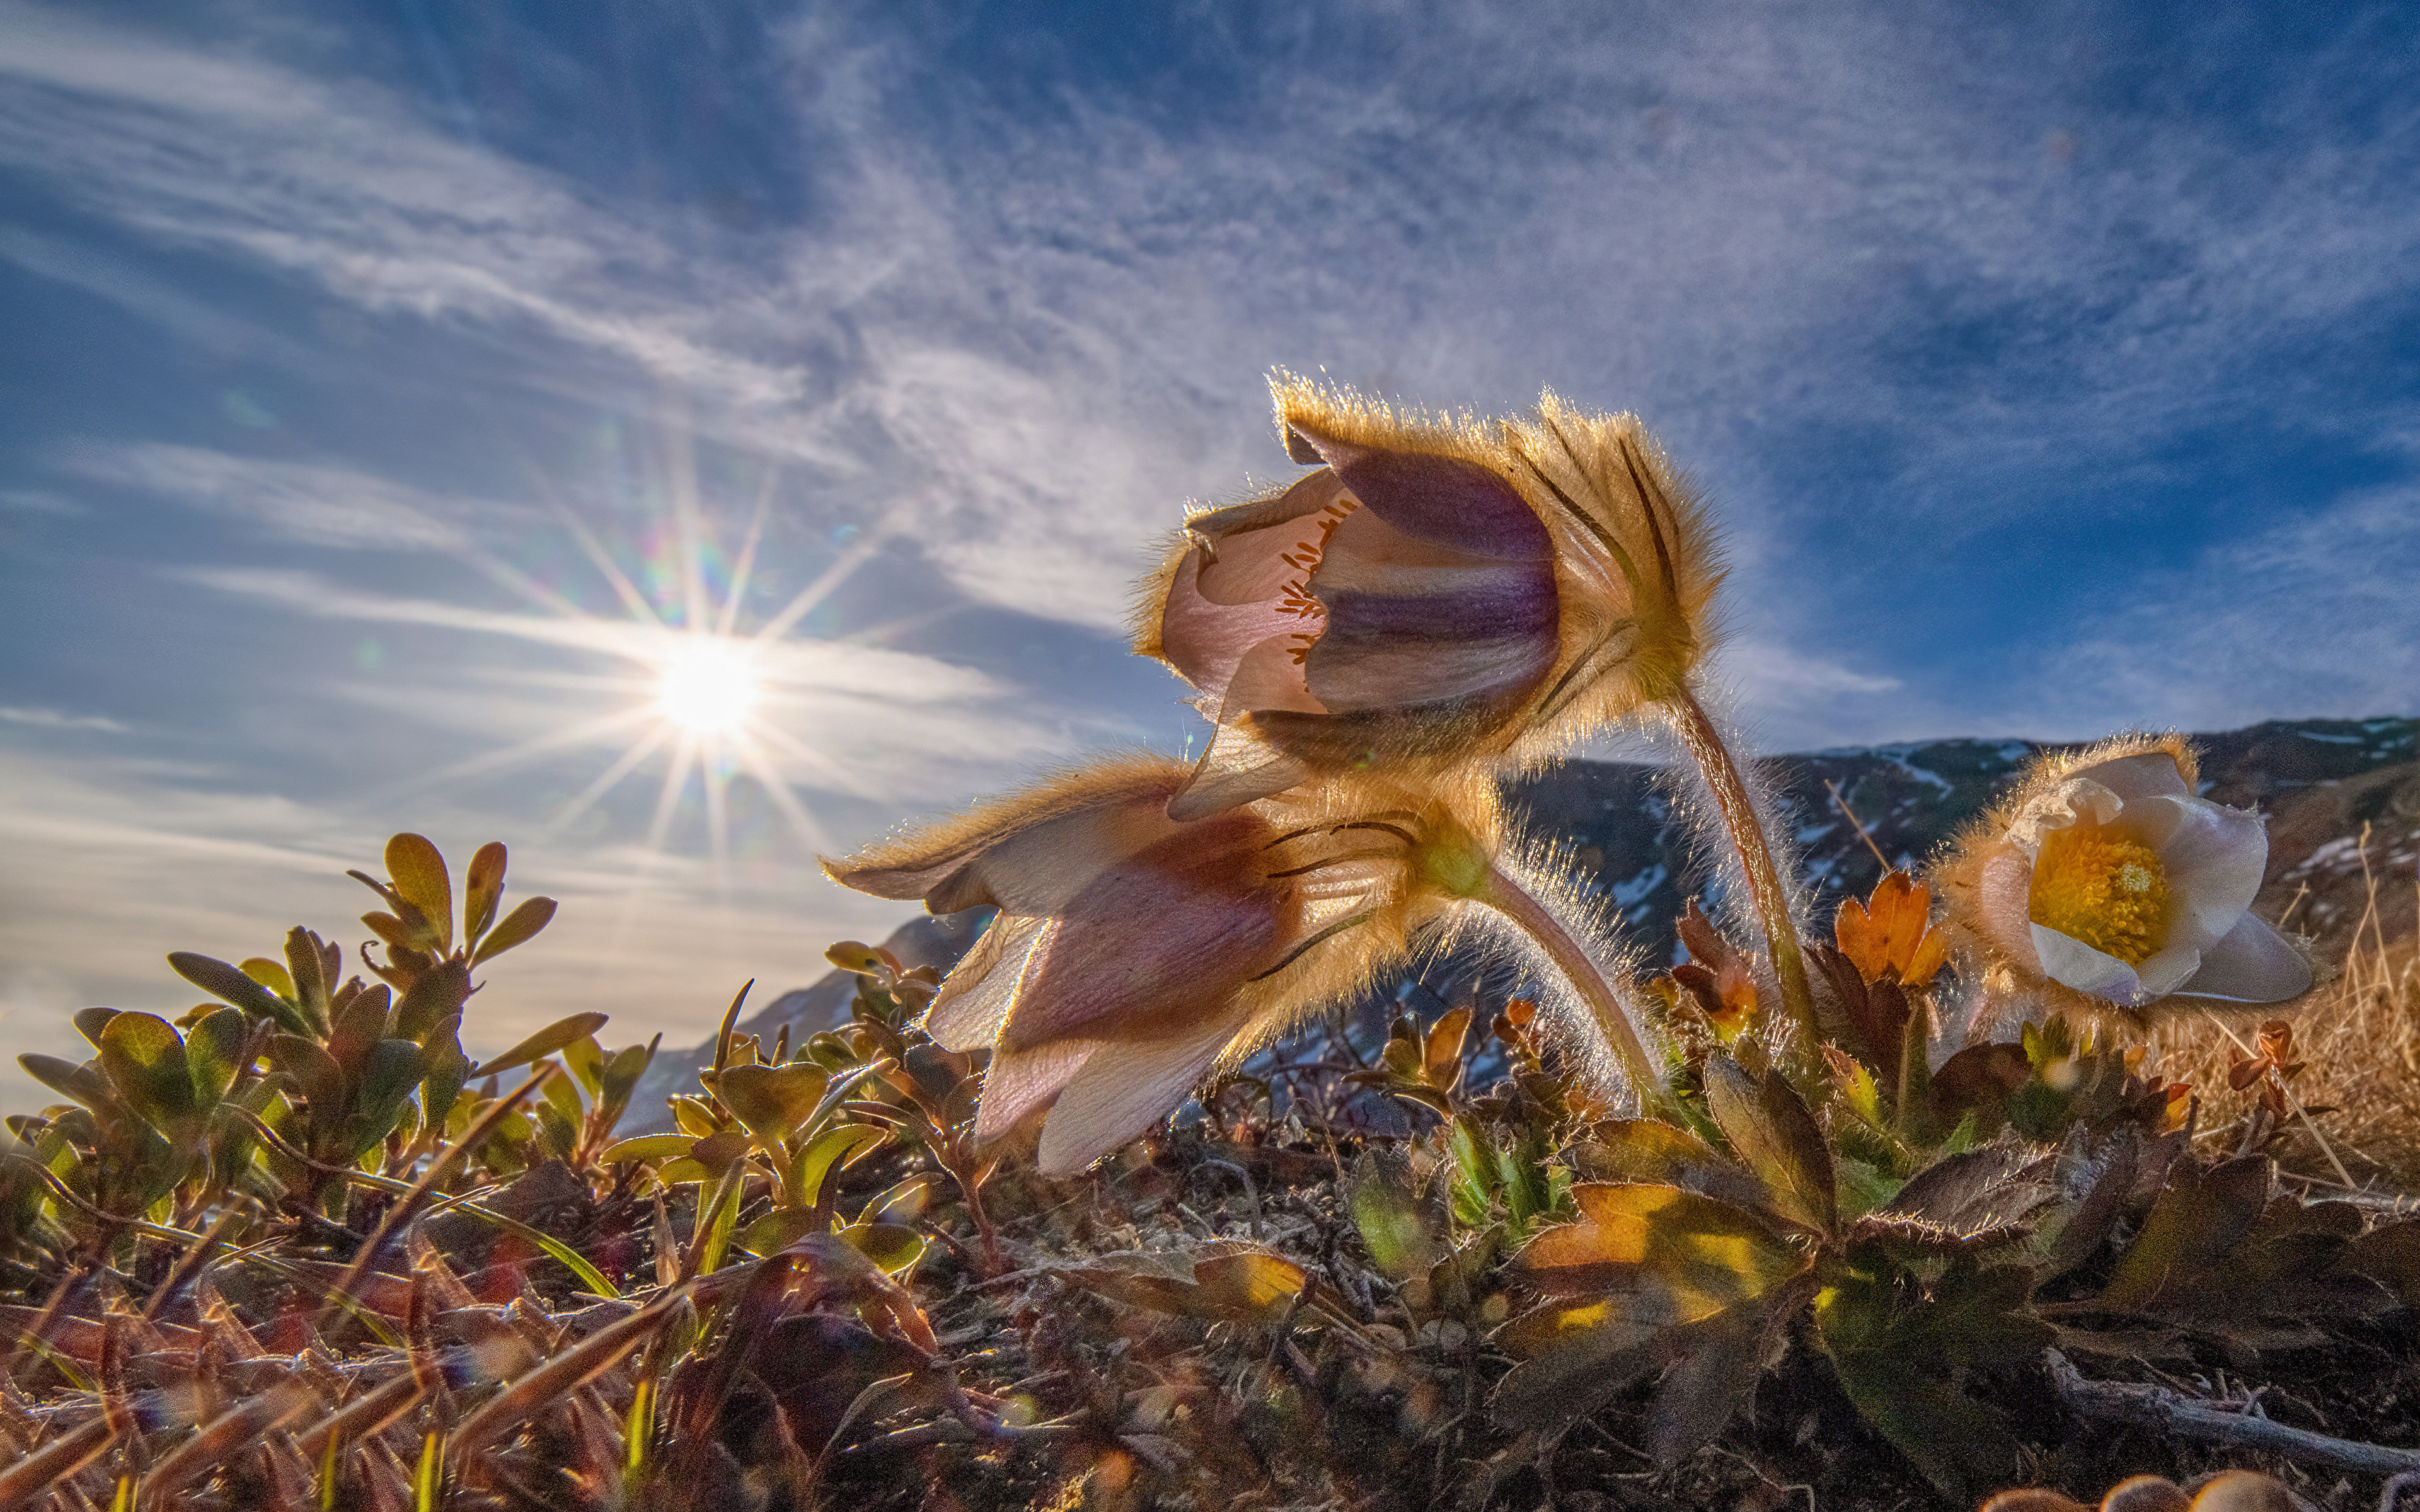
(1124, 1087)
(2151, 775)
(2214, 856)
(2004, 902)
(974, 998)
(1236, 769)
(1178, 927)
(1020, 1081)
(2072, 963)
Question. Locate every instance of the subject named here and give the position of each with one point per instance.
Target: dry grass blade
(361, 1416)
(574, 1368)
(34, 1476)
(222, 1436)
(471, 1138)
(2359, 1037)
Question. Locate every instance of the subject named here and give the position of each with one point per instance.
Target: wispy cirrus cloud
(2313, 616)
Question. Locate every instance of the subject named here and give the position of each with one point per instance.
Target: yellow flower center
(2106, 890)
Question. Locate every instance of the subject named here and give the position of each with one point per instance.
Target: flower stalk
(1508, 898)
(1707, 747)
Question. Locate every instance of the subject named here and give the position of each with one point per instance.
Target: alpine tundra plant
(1854, 1193)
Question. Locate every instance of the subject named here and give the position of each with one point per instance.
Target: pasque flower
(1134, 953)
(2105, 882)
(1132, 950)
(1441, 595)
(1437, 593)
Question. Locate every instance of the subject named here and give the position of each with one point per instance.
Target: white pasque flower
(2106, 876)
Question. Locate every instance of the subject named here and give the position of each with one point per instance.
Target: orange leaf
(1891, 932)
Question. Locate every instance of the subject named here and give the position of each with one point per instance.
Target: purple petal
(1441, 498)
(1124, 1087)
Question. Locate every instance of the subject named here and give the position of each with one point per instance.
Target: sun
(708, 685)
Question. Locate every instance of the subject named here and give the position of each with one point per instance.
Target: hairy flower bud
(1435, 593)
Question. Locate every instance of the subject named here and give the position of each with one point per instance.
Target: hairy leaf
(1770, 1127)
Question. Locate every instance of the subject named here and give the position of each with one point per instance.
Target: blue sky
(383, 387)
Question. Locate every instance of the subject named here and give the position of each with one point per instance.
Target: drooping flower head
(1437, 593)
(1135, 952)
(2105, 882)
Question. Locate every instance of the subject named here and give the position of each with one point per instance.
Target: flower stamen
(1294, 595)
(2103, 890)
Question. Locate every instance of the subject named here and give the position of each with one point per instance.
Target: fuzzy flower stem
(1507, 897)
(1714, 759)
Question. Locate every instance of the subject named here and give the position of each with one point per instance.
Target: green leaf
(648, 1146)
(893, 1247)
(563, 1091)
(420, 880)
(780, 1229)
(519, 926)
(313, 1073)
(437, 995)
(561, 1134)
(545, 1042)
(229, 984)
(719, 1153)
(142, 1055)
(443, 1070)
(902, 1202)
(483, 886)
(619, 1077)
(388, 1073)
(1393, 1219)
(89, 1022)
(84, 1083)
(215, 1053)
(584, 1059)
(826, 1153)
(2199, 1218)
(774, 1101)
(313, 966)
(270, 974)
(1769, 1126)
(1474, 1167)
(1914, 1095)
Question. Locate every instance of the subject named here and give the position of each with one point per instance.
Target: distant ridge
(2320, 781)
